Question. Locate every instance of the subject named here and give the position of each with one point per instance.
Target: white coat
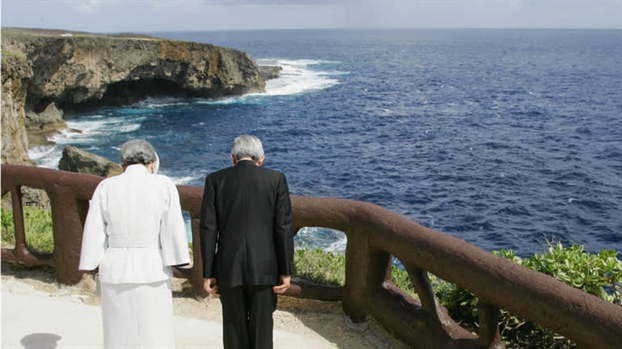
(134, 229)
(134, 232)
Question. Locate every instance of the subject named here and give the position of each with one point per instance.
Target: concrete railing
(374, 235)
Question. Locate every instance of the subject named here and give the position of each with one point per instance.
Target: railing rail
(374, 235)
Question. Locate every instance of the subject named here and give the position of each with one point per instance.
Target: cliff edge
(48, 72)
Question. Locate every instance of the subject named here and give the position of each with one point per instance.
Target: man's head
(247, 147)
(137, 151)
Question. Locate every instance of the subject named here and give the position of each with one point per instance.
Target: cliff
(16, 72)
(45, 73)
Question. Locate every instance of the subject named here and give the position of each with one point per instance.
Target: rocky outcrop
(16, 72)
(80, 161)
(51, 118)
(92, 70)
(46, 73)
(269, 72)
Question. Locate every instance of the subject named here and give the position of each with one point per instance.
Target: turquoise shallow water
(503, 138)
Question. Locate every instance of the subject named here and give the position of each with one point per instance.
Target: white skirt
(138, 315)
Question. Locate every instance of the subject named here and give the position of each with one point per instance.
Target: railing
(374, 235)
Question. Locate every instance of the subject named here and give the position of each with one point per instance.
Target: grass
(37, 226)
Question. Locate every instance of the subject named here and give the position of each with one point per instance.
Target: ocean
(507, 139)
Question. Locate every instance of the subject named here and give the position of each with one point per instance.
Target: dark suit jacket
(246, 226)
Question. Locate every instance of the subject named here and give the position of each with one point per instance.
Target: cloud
(86, 6)
(194, 15)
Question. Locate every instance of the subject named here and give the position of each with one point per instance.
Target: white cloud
(168, 15)
(86, 6)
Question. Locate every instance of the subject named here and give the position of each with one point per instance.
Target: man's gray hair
(137, 151)
(247, 146)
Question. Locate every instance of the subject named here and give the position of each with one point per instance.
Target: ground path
(37, 313)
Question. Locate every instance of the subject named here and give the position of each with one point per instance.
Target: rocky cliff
(45, 73)
(16, 72)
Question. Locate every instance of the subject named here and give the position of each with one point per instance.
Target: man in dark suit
(247, 244)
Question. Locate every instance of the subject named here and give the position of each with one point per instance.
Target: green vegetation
(37, 226)
(7, 54)
(598, 274)
(320, 267)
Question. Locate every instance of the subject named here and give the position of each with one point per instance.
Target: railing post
(488, 315)
(68, 216)
(366, 269)
(18, 221)
(421, 282)
(197, 262)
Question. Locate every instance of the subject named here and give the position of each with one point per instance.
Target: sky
(143, 16)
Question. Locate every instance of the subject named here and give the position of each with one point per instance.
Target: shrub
(320, 267)
(598, 274)
(6, 54)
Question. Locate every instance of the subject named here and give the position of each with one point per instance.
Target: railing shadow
(373, 235)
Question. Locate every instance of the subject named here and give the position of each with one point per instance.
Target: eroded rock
(80, 161)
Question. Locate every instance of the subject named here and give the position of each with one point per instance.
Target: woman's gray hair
(247, 146)
(137, 151)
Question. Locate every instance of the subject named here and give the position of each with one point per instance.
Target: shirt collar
(136, 168)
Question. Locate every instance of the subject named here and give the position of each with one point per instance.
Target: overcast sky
(113, 16)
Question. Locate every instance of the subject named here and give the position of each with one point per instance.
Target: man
(247, 244)
(135, 232)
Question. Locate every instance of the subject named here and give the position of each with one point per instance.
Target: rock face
(46, 74)
(16, 72)
(269, 72)
(80, 161)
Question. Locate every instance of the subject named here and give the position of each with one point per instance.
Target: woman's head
(137, 151)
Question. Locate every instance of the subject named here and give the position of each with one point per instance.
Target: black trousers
(247, 317)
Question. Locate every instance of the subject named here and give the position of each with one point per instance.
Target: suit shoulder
(270, 173)
(274, 172)
(219, 173)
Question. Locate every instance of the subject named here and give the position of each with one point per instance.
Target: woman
(134, 232)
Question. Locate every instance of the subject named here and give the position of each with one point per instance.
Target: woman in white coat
(135, 232)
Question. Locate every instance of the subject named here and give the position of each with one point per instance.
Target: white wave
(328, 240)
(184, 180)
(83, 132)
(226, 100)
(338, 247)
(46, 156)
(160, 102)
(129, 128)
(297, 77)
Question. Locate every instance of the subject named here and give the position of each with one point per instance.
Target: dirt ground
(316, 320)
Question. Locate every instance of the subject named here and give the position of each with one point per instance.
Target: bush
(598, 274)
(6, 54)
(320, 267)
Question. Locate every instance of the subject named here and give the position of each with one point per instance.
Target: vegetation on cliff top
(7, 54)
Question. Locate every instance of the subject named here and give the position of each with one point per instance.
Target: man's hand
(210, 286)
(284, 285)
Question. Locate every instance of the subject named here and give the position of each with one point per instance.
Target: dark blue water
(503, 138)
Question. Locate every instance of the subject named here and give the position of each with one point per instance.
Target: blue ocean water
(503, 138)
